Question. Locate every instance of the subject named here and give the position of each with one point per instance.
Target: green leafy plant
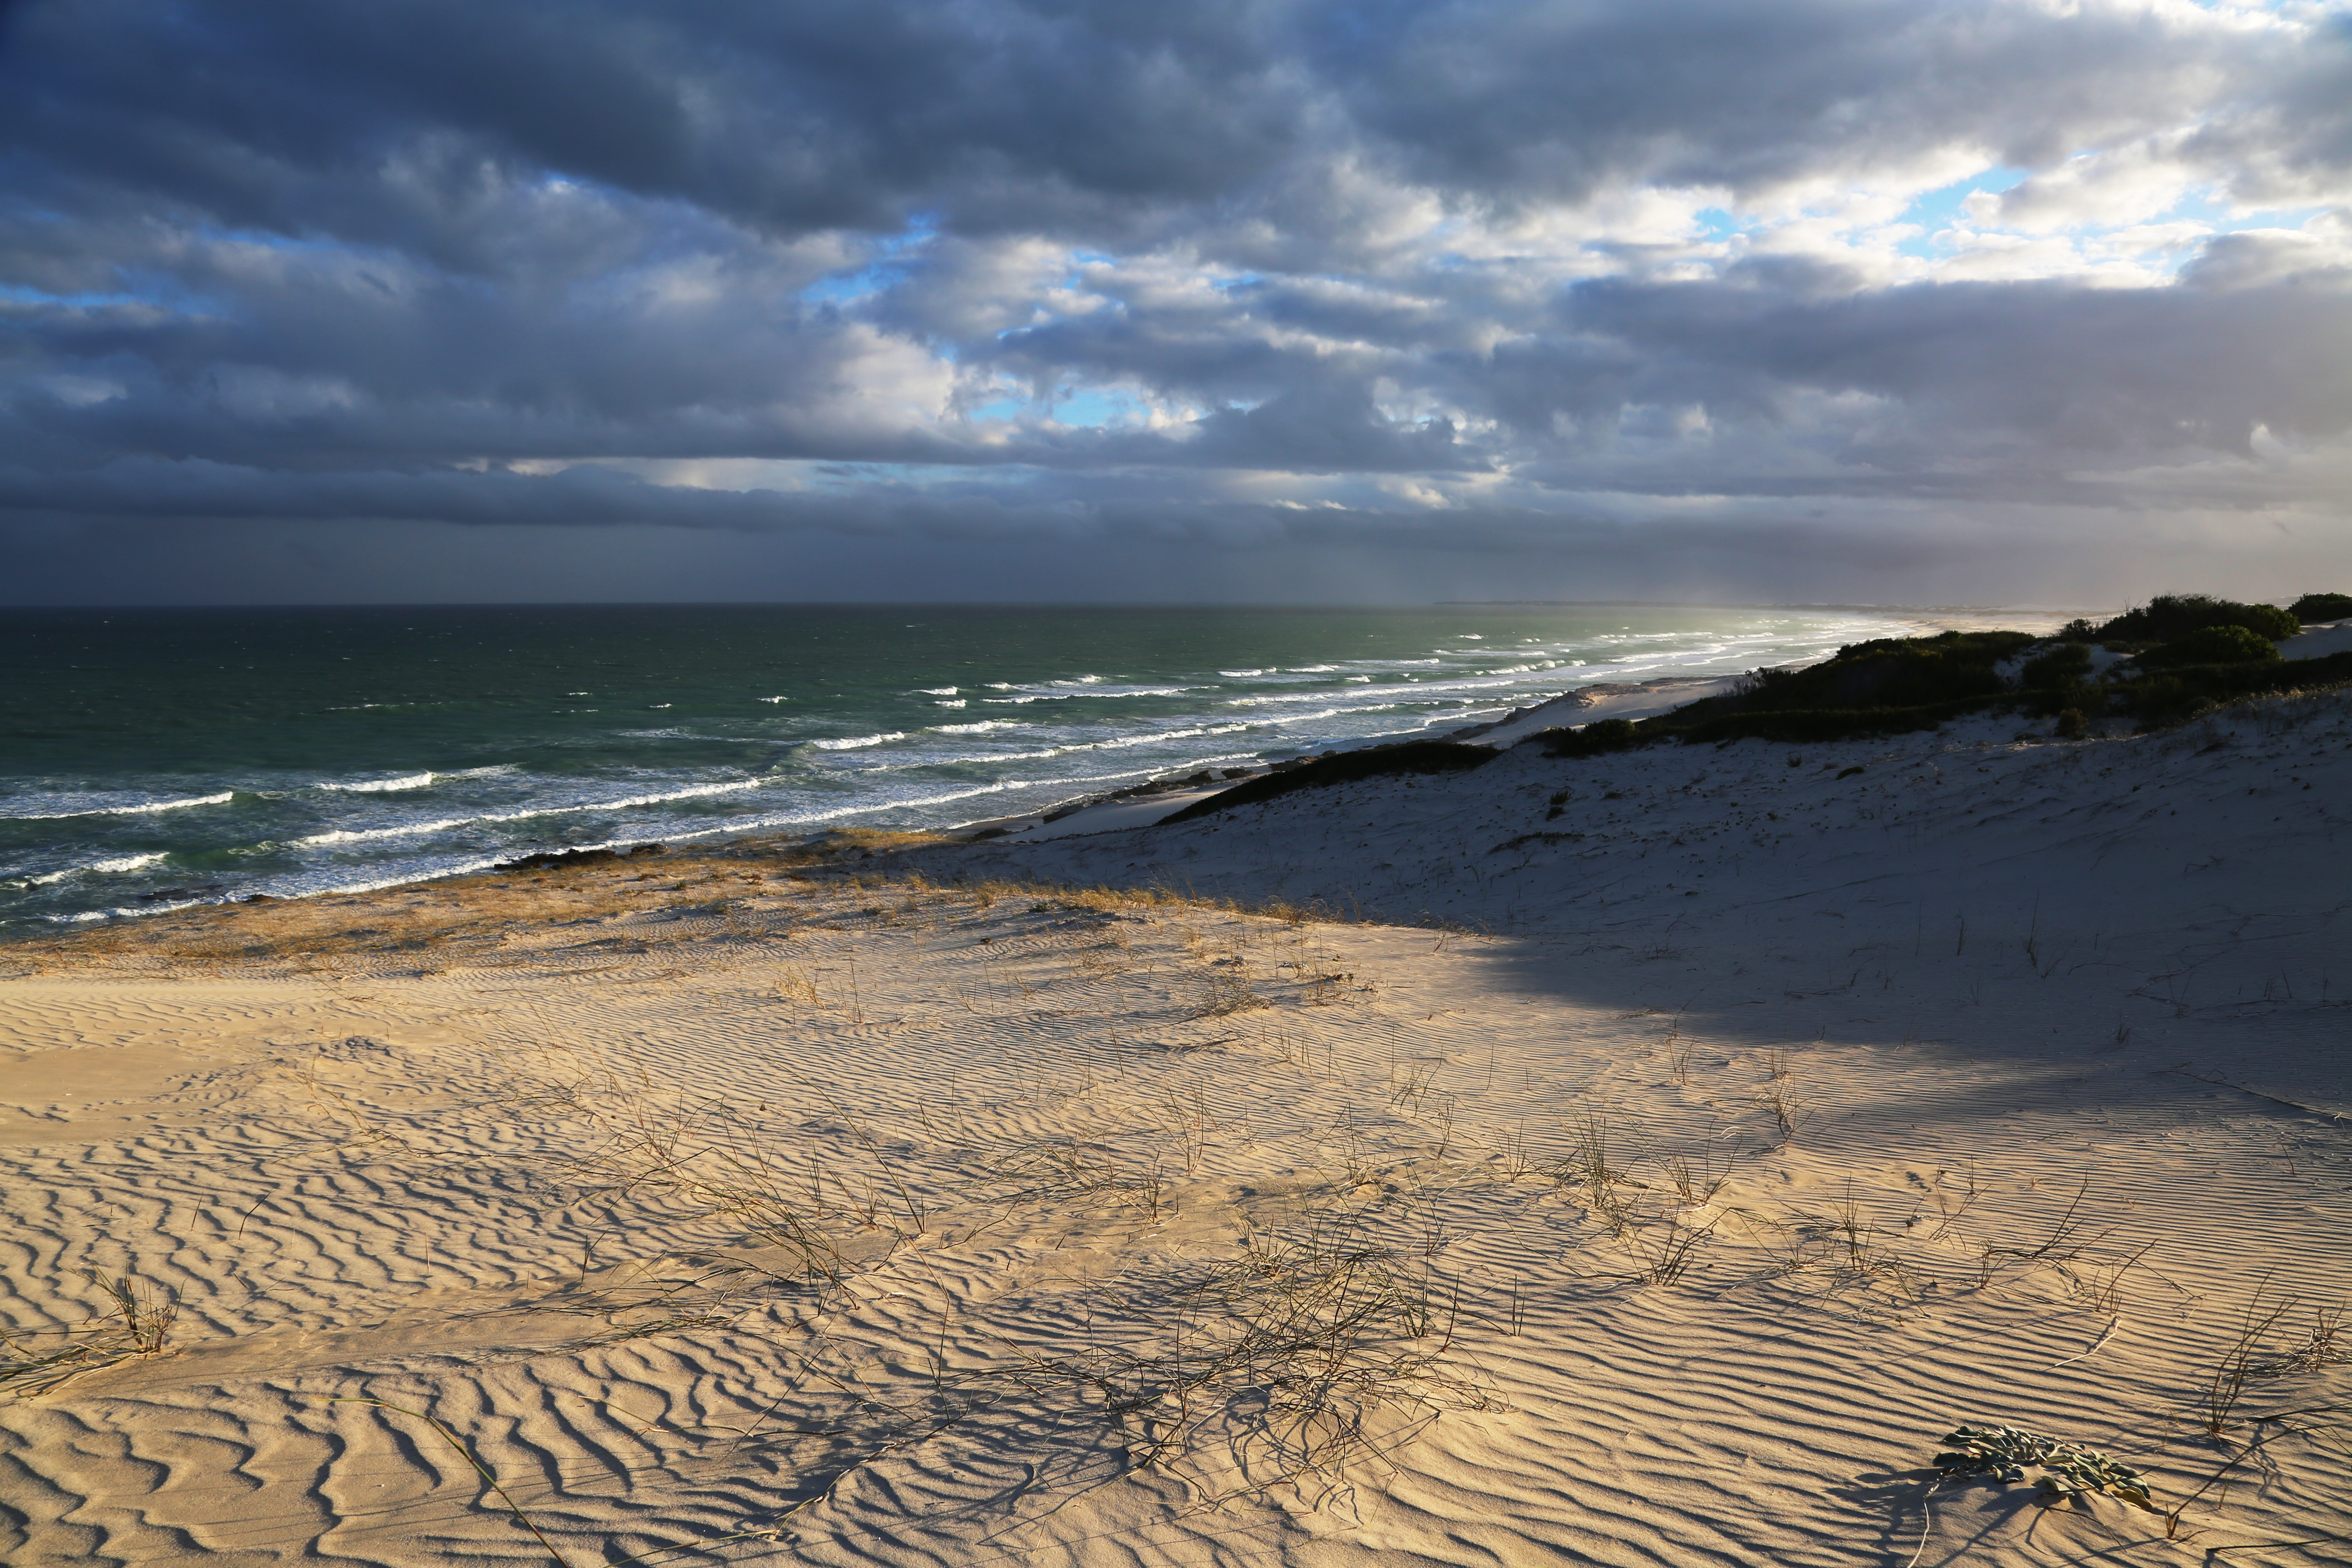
(1595, 739)
(2068, 1470)
(2069, 661)
(1405, 759)
(2168, 617)
(2315, 608)
(2215, 644)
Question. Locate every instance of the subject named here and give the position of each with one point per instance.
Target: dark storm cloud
(2084, 371)
(1404, 275)
(810, 116)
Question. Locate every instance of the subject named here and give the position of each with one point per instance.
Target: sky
(1976, 301)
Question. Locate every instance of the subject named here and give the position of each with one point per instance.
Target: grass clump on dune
(2315, 609)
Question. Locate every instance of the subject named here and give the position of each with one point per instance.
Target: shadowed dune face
(811, 1209)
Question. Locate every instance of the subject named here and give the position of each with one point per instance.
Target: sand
(2319, 641)
(1392, 1173)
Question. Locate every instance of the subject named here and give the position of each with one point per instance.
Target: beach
(168, 758)
(1639, 1158)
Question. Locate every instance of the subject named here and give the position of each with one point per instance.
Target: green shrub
(2173, 696)
(2168, 617)
(1884, 672)
(1788, 726)
(1593, 740)
(1343, 767)
(1885, 686)
(2214, 645)
(2079, 630)
(1802, 726)
(2067, 663)
(2314, 608)
(2088, 698)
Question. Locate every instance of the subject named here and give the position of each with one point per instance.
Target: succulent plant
(2068, 1470)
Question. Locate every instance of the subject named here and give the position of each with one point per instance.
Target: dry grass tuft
(1225, 993)
(136, 1325)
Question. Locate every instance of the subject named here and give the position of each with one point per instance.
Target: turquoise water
(154, 758)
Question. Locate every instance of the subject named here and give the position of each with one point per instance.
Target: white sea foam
(982, 728)
(222, 798)
(937, 691)
(1095, 691)
(856, 743)
(121, 863)
(775, 700)
(376, 787)
(903, 803)
(1242, 674)
(1115, 743)
(949, 702)
(1312, 668)
(411, 829)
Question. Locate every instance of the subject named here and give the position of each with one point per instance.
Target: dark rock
(547, 859)
(161, 894)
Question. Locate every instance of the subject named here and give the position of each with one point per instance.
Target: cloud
(1493, 279)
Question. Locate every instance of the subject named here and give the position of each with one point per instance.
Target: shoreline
(277, 839)
(1578, 699)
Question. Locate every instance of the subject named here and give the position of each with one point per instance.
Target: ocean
(151, 759)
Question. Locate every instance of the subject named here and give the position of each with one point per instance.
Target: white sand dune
(1782, 1117)
(2319, 641)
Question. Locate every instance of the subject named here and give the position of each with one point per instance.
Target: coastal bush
(2087, 698)
(1885, 686)
(2214, 645)
(1798, 726)
(1806, 725)
(2315, 608)
(2168, 617)
(1884, 672)
(2067, 663)
(1593, 740)
(2173, 695)
(1345, 767)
